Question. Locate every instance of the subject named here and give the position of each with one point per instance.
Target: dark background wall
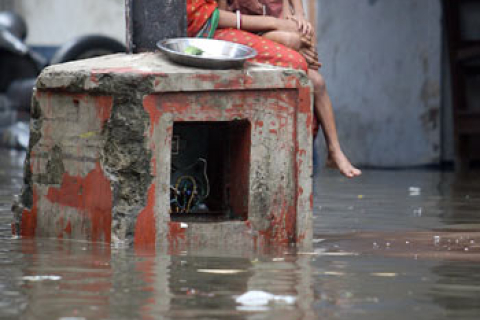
(383, 67)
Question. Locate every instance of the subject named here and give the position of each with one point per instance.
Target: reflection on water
(391, 245)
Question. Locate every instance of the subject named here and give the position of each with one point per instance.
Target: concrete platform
(99, 161)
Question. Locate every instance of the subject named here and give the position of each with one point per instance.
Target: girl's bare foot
(338, 160)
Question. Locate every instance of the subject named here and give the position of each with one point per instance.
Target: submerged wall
(382, 64)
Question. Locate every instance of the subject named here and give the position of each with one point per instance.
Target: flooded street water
(390, 245)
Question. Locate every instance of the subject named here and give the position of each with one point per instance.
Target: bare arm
(287, 12)
(255, 23)
(298, 7)
(299, 16)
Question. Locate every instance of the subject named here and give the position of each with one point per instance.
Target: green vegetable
(194, 51)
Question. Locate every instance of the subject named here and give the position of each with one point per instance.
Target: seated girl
(285, 40)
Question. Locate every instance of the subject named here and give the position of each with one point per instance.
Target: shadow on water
(390, 245)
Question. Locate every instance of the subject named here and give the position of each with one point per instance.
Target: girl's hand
(311, 55)
(285, 25)
(303, 25)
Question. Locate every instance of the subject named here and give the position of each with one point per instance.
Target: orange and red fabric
(269, 52)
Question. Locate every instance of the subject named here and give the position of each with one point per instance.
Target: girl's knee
(292, 40)
(317, 80)
(288, 39)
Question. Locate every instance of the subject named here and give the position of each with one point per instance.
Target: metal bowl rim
(160, 45)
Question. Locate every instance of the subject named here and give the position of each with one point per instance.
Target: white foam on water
(259, 300)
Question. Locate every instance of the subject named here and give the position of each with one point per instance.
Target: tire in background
(20, 94)
(15, 67)
(87, 47)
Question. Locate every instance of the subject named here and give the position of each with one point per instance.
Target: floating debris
(334, 273)
(417, 212)
(41, 278)
(415, 191)
(221, 271)
(383, 274)
(262, 299)
(323, 252)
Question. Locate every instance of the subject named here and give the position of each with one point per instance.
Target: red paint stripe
(145, 229)
(91, 196)
(29, 218)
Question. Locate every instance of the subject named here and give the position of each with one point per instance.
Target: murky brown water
(390, 245)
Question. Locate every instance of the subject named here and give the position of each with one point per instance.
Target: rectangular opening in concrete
(210, 171)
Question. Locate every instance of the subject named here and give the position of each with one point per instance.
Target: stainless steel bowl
(217, 54)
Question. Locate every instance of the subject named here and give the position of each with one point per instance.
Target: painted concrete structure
(99, 161)
(382, 64)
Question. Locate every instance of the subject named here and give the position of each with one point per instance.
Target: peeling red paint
(305, 107)
(94, 78)
(68, 228)
(145, 229)
(282, 229)
(300, 191)
(292, 82)
(150, 105)
(104, 106)
(29, 218)
(91, 196)
(176, 233)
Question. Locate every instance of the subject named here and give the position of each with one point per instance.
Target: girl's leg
(324, 112)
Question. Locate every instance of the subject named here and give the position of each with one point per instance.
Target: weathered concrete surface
(98, 167)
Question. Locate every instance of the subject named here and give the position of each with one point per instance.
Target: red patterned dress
(269, 52)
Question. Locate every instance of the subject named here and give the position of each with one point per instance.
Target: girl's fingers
(309, 29)
(312, 60)
(305, 42)
(310, 53)
(314, 63)
(314, 67)
(305, 27)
